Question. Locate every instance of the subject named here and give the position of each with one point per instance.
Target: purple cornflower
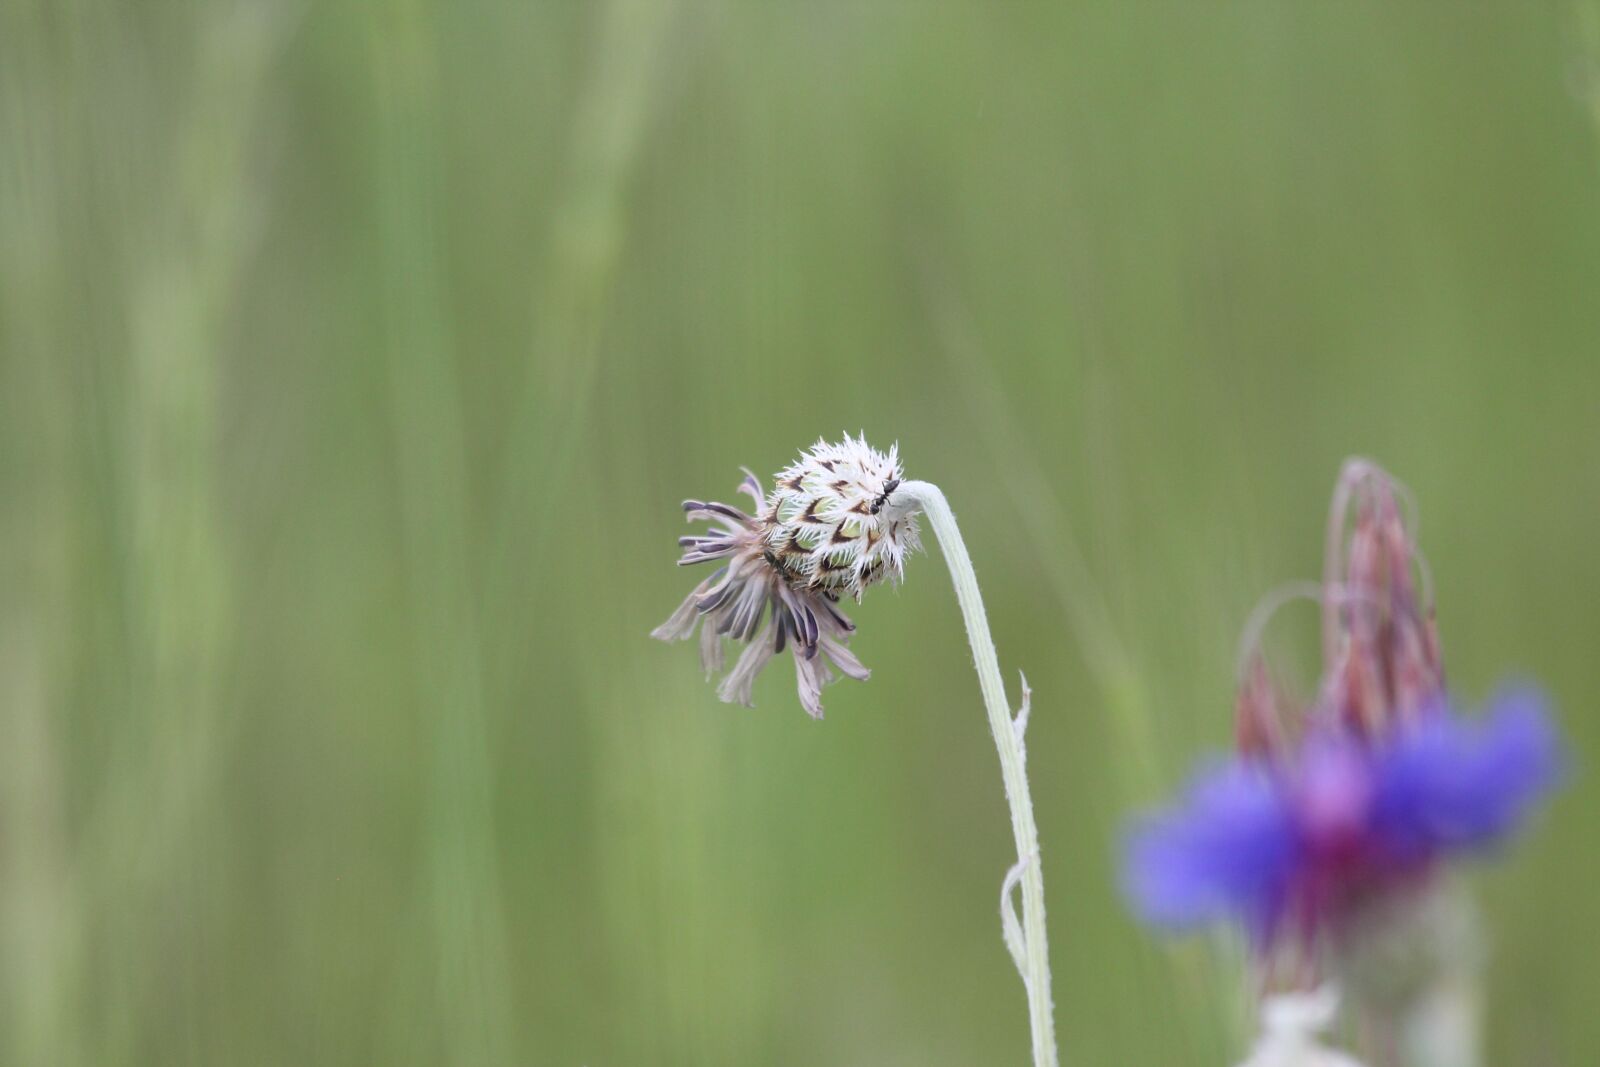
(1300, 845)
(1359, 796)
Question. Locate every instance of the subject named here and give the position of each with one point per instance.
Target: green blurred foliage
(354, 359)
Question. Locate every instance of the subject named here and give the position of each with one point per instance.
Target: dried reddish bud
(1382, 662)
(1352, 690)
(1259, 731)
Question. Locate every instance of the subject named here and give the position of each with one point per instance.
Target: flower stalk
(1033, 954)
(838, 520)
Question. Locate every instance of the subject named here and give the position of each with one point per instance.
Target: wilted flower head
(830, 528)
(1329, 812)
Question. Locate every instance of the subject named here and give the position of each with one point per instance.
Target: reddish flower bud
(1259, 731)
(1381, 653)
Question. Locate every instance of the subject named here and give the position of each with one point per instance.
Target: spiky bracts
(831, 527)
(832, 522)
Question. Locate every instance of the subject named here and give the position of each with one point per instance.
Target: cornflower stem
(1033, 955)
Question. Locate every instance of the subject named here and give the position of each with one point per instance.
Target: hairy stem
(1034, 958)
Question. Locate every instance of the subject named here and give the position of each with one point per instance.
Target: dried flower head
(830, 528)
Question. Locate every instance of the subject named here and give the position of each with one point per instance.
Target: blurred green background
(354, 359)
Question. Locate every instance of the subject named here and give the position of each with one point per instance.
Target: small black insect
(883, 498)
(778, 564)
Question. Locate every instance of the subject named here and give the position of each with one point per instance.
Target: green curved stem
(1034, 959)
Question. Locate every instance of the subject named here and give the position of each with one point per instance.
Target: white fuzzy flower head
(831, 527)
(832, 519)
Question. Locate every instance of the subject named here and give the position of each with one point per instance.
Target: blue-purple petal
(1453, 784)
(1343, 818)
(1227, 850)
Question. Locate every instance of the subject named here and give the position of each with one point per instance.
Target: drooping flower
(1300, 846)
(830, 528)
